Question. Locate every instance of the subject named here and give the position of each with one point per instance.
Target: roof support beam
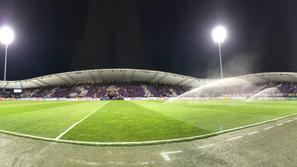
(261, 78)
(63, 79)
(181, 81)
(125, 75)
(132, 75)
(45, 83)
(100, 76)
(294, 77)
(152, 79)
(39, 85)
(71, 78)
(161, 78)
(187, 84)
(5, 85)
(21, 85)
(93, 78)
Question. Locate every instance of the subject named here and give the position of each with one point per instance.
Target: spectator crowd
(108, 90)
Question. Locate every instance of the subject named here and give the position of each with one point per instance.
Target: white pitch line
(234, 138)
(165, 155)
(78, 122)
(288, 121)
(254, 132)
(204, 146)
(269, 127)
(279, 124)
(147, 162)
(84, 162)
(115, 163)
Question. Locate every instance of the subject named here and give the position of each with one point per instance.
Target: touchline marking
(116, 163)
(166, 157)
(204, 146)
(78, 122)
(84, 162)
(234, 138)
(279, 124)
(254, 132)
(147, 162)
(145, 142)
(288, 121)
(90, 163)
(267, 128)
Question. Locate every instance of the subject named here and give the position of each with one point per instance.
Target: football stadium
(138, 107)
(142, 109)
(184, 83)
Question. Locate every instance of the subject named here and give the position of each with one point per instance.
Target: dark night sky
(168, 35)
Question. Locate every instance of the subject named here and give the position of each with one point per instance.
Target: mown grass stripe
(142, 142)
(34, 107)
(49, 121)
(203, 131)
(78, 122)
(126, 121)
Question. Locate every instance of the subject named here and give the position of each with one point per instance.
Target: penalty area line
(204, 146)
(78, 122)
(234, 138)
(288, 121)
(165, 155)
(254, 132)
(269, 127)
(279, 124)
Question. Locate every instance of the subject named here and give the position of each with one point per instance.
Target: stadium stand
(134, 83)
(112, 90)
(106, 90)
(121, 90)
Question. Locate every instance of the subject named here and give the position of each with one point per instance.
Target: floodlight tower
(6, 38)
(219, 34)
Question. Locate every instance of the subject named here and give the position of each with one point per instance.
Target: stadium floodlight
(6, 38)
(6, 35)
(219, 34)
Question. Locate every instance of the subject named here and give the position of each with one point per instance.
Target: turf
(126, 121)
(45, 119)
(135, 120)
(217, 115)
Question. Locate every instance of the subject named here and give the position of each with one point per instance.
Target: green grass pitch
(123, 121)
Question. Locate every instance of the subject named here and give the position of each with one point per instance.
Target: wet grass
(119, 121)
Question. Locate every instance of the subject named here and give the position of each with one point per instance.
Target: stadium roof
(101, 75)
(270, 76)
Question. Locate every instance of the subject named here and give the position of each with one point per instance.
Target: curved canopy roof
(101, 75)
(271, 76)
